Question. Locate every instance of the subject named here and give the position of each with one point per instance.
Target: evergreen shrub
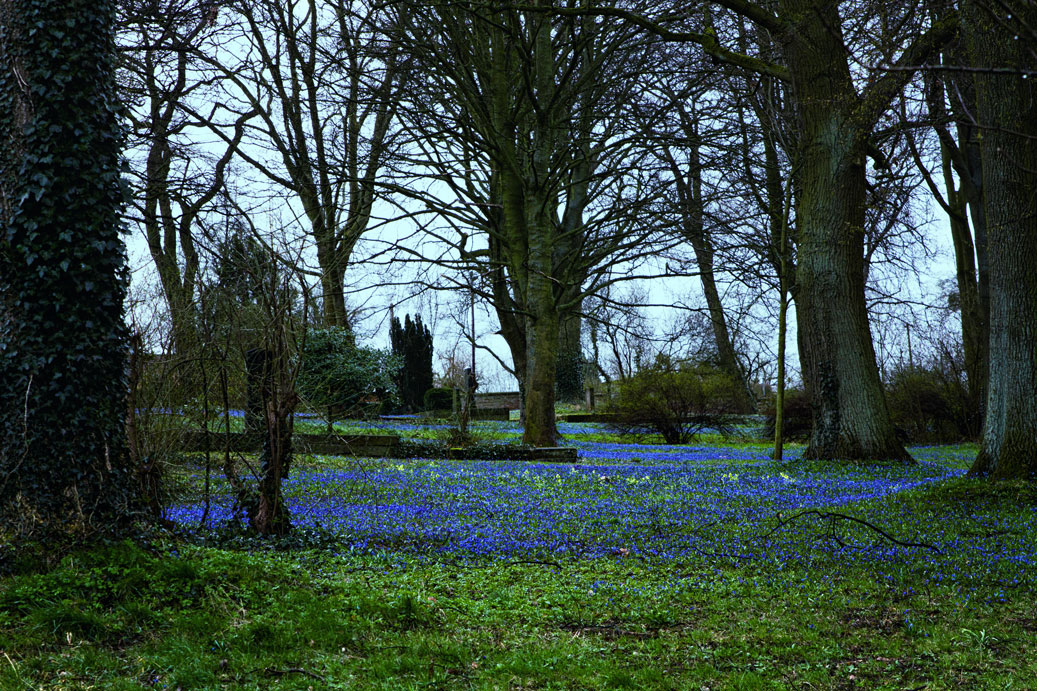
(441, 398)
(412, 344)
(675, 401)
(342, 377)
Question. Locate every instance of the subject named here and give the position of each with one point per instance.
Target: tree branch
(832, 516)
(876, 98)
(708, 39)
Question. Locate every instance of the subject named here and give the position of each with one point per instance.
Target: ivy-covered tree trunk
(569, 375)
(1007, 114)
(64, 466)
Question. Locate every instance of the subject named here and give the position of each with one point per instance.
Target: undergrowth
(930, 586)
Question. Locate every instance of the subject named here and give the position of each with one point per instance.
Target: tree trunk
(974, 336)
(692, 216)
(963, 106)
(272, 417)
(542, 354)
(160, 229)
(332, 282)
(569, 331)
(271, 516)
(569, 381)
(851, 419)
(727, 360)
(539, 201)
(961, 157)
(64, 465)
(512, 321)
(1007, 112)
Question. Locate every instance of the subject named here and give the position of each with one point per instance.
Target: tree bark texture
(542, 353)
(1007, 115)
(542, 330)
(851, 419)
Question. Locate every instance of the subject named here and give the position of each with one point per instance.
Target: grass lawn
(645, 566)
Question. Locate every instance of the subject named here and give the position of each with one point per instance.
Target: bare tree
(538, 176)
(693, 140)
(950, 102)
(175, 179)
(838, 103)
(325, 83)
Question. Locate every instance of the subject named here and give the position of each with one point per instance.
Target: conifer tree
(412, 342)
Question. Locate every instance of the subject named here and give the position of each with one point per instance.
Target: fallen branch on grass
(832, 517)
(534, 562)
(293, 670)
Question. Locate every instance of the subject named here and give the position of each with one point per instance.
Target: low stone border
(544, 454)
(477, 414)
(375, 445)
(588, 417)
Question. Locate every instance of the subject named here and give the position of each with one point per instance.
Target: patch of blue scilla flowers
(658, 503)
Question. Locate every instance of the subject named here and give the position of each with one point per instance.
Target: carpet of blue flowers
(641, 566)
(719, 505)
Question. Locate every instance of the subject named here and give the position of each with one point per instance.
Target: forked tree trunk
(271, 380)
(270, 515)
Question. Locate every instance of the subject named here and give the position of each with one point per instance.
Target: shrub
(339, 375)
(929, 405)
(439, 399)
(798, 418)
(676, 402)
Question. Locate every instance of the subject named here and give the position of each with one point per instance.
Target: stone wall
(503, 399)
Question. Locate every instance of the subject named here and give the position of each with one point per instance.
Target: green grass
(172, 615)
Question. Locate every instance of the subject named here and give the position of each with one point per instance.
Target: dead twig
(270, 672)
(832, 517)
(535, 563)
